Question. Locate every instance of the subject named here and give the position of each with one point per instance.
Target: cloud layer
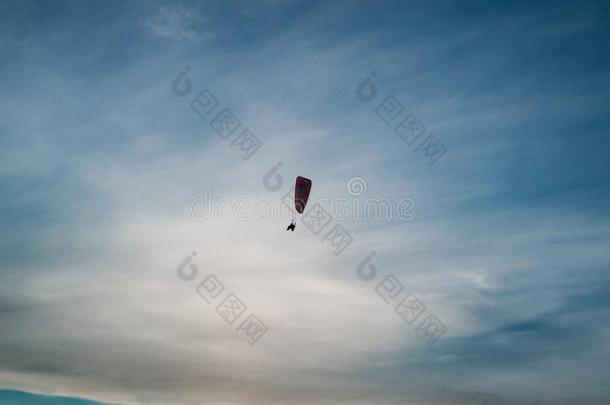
(101, 161)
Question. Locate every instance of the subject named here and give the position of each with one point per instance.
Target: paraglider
(302, 187)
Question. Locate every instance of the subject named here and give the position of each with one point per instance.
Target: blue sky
(10, 397)
(101, 165)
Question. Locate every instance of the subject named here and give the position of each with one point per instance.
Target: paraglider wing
(302, 188)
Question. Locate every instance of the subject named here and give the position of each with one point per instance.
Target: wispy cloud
(100, 162)
(178, 23)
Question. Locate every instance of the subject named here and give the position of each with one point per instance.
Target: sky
(142, 143)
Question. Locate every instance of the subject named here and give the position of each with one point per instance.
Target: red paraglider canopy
(302, 188)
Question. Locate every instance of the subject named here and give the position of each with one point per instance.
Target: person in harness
(291, 226)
